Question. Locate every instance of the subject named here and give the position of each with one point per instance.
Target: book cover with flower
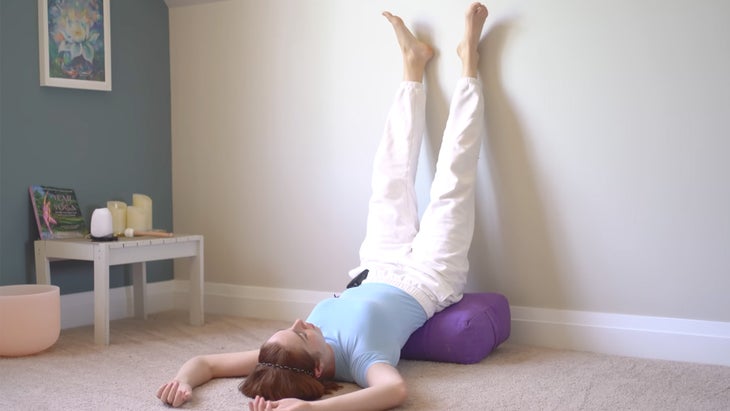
(57, 212)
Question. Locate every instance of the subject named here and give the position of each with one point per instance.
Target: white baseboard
(244, 301)
(78, 309)
(261, 302)
(673, 339)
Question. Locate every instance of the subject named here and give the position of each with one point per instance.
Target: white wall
(602, 188)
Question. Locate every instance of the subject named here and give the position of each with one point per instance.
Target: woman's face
(304, 336)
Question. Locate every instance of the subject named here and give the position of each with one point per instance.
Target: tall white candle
(136, 218)
(145, 203)
(119, 216)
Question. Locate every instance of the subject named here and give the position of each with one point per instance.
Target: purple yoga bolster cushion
(464, 333)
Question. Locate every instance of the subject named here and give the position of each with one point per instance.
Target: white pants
(429, 262)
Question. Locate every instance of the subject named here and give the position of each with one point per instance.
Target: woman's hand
(201, 369)
(175, 393)
(287, 404)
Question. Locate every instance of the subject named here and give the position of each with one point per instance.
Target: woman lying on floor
(412, 272)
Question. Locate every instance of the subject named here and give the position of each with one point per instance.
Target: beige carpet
(75, 374)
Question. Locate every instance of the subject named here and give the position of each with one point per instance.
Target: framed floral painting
(75, 44)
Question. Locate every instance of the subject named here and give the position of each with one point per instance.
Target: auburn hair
(285, 373)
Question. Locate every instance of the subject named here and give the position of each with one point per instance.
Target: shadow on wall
(512, 251)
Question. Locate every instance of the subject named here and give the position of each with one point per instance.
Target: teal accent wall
(105, 145)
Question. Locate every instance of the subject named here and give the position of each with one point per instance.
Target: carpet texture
(75, 374)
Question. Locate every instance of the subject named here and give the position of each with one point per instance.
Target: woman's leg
(442, 244)
(393, 213)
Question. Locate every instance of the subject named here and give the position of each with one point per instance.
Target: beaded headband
(286, 367)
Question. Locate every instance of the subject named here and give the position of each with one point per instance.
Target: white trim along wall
(673, 339)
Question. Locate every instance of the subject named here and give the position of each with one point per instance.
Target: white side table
(136, 251)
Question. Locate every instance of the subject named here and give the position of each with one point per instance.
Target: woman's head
(291, 365)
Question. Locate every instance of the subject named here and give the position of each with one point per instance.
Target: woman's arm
(201, 369)
(387, 390)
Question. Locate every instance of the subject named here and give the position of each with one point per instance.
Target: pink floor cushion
(464, 333)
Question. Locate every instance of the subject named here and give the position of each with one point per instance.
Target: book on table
(57, 212)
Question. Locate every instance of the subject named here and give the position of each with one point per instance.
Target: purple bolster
(464, 333)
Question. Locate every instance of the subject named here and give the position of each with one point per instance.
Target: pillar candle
(145, 203)
(119, 216)
(136, 218)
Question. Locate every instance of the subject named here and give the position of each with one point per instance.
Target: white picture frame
(74, 40)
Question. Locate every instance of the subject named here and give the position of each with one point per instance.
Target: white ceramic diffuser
(101, 224)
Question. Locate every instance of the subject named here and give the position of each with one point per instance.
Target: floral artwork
(76, 29)
(75, 43)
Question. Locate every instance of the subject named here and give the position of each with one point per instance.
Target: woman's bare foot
(415, 52)
(476, 14)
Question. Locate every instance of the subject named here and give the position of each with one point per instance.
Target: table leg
(101, 294)
(196, 286)
(139, 284)
(42, 264)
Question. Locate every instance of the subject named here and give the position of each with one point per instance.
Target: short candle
(136, 218)
(119, 216)
(145, 204)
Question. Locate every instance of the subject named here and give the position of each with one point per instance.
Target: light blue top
(367, 325)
